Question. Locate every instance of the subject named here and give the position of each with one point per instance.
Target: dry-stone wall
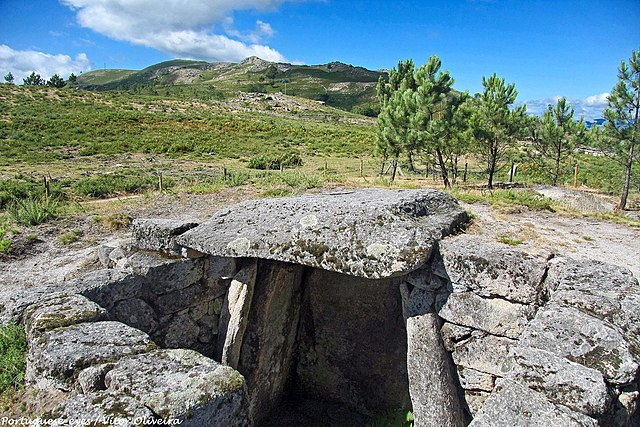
(354, 298)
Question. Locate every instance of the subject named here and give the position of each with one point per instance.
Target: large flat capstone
(372, 233)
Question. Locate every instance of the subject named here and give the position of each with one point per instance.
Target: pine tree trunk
(394, 167)
(443, 169)
(410, 160)
(627, 178)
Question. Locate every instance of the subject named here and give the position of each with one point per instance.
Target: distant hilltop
(337, 84)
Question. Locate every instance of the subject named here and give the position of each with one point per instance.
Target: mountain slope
(339, 85)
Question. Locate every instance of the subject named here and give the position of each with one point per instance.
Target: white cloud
(591, 107)
(21, 63)
(182, 29)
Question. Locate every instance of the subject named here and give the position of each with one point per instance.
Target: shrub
(13, 347)
(273, 161)
(34, 210)
(109, 184)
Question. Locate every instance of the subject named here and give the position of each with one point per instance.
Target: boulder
(56, 357)
(496, 316)
(570, 333)
(370, 233)
(491, 270)
(515, 405)
(561, 381)
(159, 234)
(482, 352)
(182, 385)
(101, 409)
(136, 313)
(108, 286)
(605, 291)
(61, 310)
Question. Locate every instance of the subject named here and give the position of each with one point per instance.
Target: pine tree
(33, 80)
(556, 138)
(495, 124)
(433, 106)
(56, 81)
(622, 126)
(394, 120)
(9, 78)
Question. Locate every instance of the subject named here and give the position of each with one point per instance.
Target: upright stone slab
(370, 233)
(235, 314)
(267, 347)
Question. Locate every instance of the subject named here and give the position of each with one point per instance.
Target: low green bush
(34, 210)
(274, 161)
(13, 347)
(109, 184)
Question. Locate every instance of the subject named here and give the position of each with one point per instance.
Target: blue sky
(547, 48)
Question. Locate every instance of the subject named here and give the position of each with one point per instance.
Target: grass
(70, 236)
(511, 197)
(13, 347)
(5, 241)
(509, 240)
(34, 210)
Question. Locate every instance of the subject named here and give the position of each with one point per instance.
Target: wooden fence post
(160, 183)
(575, 177)
(47, 188)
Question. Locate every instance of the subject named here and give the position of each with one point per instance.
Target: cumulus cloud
(21, 63)
(179, 28)
(591, 107)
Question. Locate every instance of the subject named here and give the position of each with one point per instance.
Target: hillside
(336, 84)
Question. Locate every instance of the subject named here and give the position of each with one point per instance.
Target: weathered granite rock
(470, 379)
(496, 316)
(268, 344)
(491, 270)
(371, 233)
(352, 342)
(235, 314)
(179, 332)
(92, 378)
(452, 334)
(61, 310)
(515, 405)
(56, 357)
(159, 234)
(561, 381)
(570, 333)
(137, 313)
(183, 385)
(164, 275)
(435, 397)
(101, 409)
(483, 352)
(602, 290)
(109, 286)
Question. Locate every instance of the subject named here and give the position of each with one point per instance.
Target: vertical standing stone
(436, 396)
(235, 314)
(267, 348)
